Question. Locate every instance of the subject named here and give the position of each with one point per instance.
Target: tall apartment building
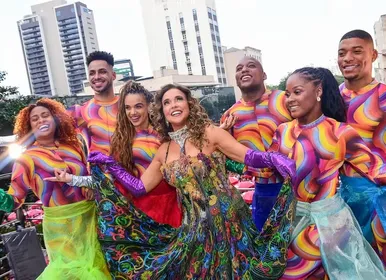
(232, 56)
(184, 35)
(56, 39)
(380, 42)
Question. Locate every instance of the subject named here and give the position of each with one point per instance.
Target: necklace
(180, 137)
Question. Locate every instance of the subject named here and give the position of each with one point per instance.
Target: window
(216, 28)
(220, 80)
(223, 70)
(214, 17)
(211, 26)
(58, 13)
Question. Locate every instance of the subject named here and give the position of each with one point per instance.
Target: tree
(11, 102)
(339, 79)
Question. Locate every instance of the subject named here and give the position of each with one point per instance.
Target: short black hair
(358, 33)
(100, 55)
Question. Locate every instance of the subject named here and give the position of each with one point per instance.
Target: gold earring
(318, 99)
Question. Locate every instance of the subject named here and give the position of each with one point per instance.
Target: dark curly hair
(65, 125)
(100, 55)
(124, 134)
(333, 105)
(197, 122)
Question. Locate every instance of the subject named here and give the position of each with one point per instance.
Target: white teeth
(244, 78)
(43, 127)
(175, 113)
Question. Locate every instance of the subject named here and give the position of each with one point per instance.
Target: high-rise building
(56, 39)
(380, 42)
(232, 57)
(184, 35)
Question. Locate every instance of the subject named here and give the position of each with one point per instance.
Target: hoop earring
(318, 99)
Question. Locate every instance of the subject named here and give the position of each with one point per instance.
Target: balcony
(31, 40)
(74, 31)
(42, 70)
(70, 43)
(38, 54)
(68, 27)
(33, 46)
(26, 38)
(186, 51)
(67, 21)
(188, 62)
(30, 31)
(69, 37)
(72, 48)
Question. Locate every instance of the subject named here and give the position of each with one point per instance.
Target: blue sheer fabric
(364, 197)
(345, 252)
(263, 200)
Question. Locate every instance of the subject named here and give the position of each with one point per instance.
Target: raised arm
(238, 152)
(137, 187)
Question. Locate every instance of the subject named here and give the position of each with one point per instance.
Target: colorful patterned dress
(96, 121)
(255, 126)
(161, 203)
(217, 238)
(327, 241)
(366, 113)
(69, 221)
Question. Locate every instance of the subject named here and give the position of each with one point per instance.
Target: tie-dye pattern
(320, 149)
(366, 112)
(96, 122)
(37, 163)
(256, 124)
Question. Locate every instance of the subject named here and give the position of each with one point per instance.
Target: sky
(290, 34)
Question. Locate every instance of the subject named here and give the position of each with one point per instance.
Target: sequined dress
(217, 238)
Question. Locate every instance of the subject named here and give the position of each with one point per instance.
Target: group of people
(136, 186)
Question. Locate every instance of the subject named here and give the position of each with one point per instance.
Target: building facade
(184, 35)
(232, 56)
(56, 39)
(380, 42)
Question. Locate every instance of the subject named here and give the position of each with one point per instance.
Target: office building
(56, 39)
(185, 36)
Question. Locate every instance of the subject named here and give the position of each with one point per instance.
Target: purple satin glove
(284, 165)
(99, 158)
(128, 181)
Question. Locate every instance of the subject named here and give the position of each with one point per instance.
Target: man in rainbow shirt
(256, 117)
(365, 99)
(96, 119)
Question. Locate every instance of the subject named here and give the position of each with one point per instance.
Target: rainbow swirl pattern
(366, 113)
(96, 122)
(37, 163)
(320, 149)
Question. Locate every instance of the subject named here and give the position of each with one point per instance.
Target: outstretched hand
(284, 165)
(60, 176)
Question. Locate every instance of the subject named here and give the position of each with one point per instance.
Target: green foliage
(11, 102)
(339, 79)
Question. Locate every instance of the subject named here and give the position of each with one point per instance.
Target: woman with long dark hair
(327, 241)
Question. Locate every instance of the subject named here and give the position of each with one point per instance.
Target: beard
(105, 90)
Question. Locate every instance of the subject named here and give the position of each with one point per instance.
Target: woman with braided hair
(327, 242)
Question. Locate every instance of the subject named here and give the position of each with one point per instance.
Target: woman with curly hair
(217, 238)
(69, 225)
